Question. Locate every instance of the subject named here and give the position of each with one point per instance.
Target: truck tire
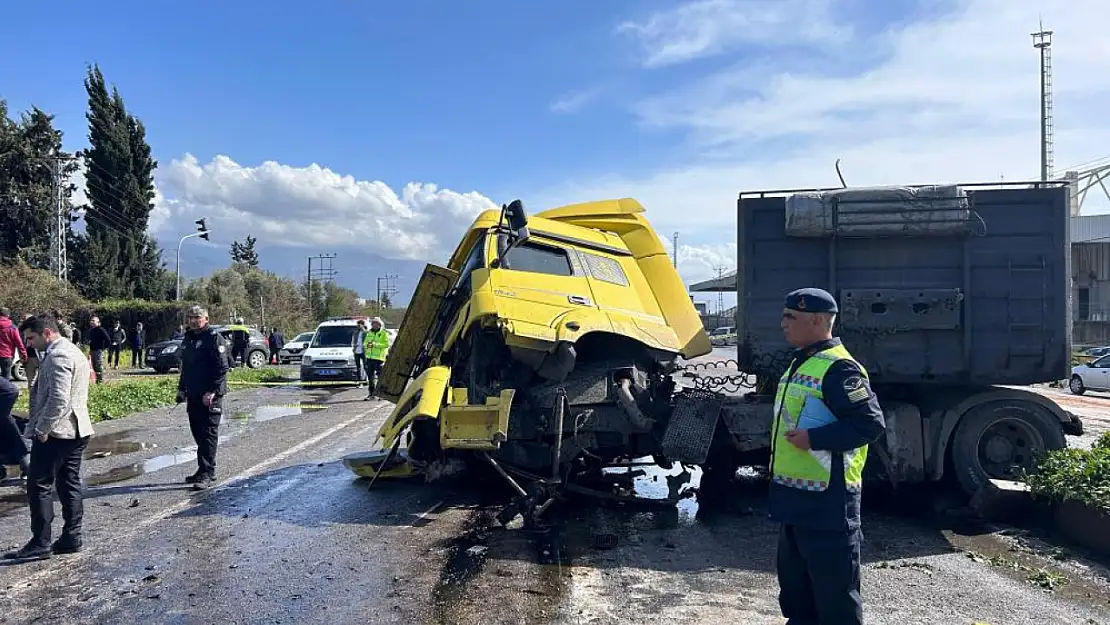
(994, 439)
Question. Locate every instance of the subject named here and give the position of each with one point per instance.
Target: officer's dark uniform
(204, 365)
(819, 542)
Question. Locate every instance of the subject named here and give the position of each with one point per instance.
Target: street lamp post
(202, 232)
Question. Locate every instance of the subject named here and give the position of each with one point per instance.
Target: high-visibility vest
(376, 344)
(809, 469)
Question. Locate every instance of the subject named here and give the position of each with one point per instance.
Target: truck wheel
(1075, 385)
(1001, 440)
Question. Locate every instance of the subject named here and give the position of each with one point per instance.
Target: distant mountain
(355, 270)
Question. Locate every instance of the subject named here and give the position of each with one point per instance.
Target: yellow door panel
(434, 285)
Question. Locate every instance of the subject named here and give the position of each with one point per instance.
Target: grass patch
(1078, 474)
(123, 397)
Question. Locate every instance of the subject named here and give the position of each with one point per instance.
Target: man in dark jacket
(202, 385)
(13, 447)
(99, 343)
(10, 343)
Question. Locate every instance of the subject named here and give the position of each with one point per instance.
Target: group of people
(59, 426)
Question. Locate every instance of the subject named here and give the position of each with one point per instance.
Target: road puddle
(268, 413)
(181, 456)
(115, 444)
(1043, 566)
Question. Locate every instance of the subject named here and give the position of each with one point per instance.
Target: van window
(535, 258)
(335, 336)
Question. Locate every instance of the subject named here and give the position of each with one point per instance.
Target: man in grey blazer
(60, 427)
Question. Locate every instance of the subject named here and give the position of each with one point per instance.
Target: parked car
(722, 336)
(292, 351)
(1092, 376)
(19, 369)
(165, 356)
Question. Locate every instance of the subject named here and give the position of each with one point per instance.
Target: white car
(292, 351)
(1093, 376)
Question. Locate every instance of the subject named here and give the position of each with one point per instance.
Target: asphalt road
(290, 536)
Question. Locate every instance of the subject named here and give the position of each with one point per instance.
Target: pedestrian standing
(119, 339)
(99, 342)
(13, 446)
(60, 428)
(375, 345)
(138, 340)
(277, 343)
(360, 351)
(10, 343)
(202, 385)
(817, 466)
(240, 338)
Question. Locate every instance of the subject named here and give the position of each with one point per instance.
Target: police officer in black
(818, 455)
(203, 383)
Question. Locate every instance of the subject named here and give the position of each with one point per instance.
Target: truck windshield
(335, 336)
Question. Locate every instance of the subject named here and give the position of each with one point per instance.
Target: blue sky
(386, 126)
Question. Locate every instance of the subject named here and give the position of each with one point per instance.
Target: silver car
(1093, 376)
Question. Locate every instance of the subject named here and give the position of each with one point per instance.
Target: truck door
(538, 281)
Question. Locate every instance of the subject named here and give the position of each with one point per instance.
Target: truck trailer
(949, 295)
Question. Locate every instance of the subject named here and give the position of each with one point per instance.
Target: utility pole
(58, 259)
(389, 290)
(327, 274)
(720, 269)
(1043, 41)
(202, 232)
(675, 250)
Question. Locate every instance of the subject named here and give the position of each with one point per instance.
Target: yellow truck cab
(544, 340)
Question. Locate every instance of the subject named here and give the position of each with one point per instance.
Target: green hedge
(159, 319)
(1078, 474)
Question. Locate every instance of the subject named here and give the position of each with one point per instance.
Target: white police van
(331, 354)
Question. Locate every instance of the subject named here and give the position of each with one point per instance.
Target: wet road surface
(290, 536)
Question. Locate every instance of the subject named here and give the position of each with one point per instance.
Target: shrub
(1079, 474)
(27, 290)
(159, 319)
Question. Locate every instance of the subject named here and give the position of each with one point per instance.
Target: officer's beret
(811, 300)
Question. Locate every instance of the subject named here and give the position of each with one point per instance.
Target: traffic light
(202, 228)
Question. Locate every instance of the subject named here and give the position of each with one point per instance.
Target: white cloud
(573, 101)
(712, 27)
(952, 98)
(315, 206)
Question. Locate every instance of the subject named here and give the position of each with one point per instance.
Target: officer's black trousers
(205, 426)
(819, 576)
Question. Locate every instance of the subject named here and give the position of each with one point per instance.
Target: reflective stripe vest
(812, 469)
(376, 344)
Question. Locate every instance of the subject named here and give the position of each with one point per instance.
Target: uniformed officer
(817, 469)
(202, 385)
(375, 344)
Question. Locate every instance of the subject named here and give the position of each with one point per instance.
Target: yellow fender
(422, 398)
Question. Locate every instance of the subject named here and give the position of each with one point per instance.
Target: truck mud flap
(690, 432)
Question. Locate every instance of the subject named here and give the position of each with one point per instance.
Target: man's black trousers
(205, 426)
(819, 576)
(56, 464)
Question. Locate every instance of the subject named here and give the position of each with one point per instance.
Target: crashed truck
(556, 346)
